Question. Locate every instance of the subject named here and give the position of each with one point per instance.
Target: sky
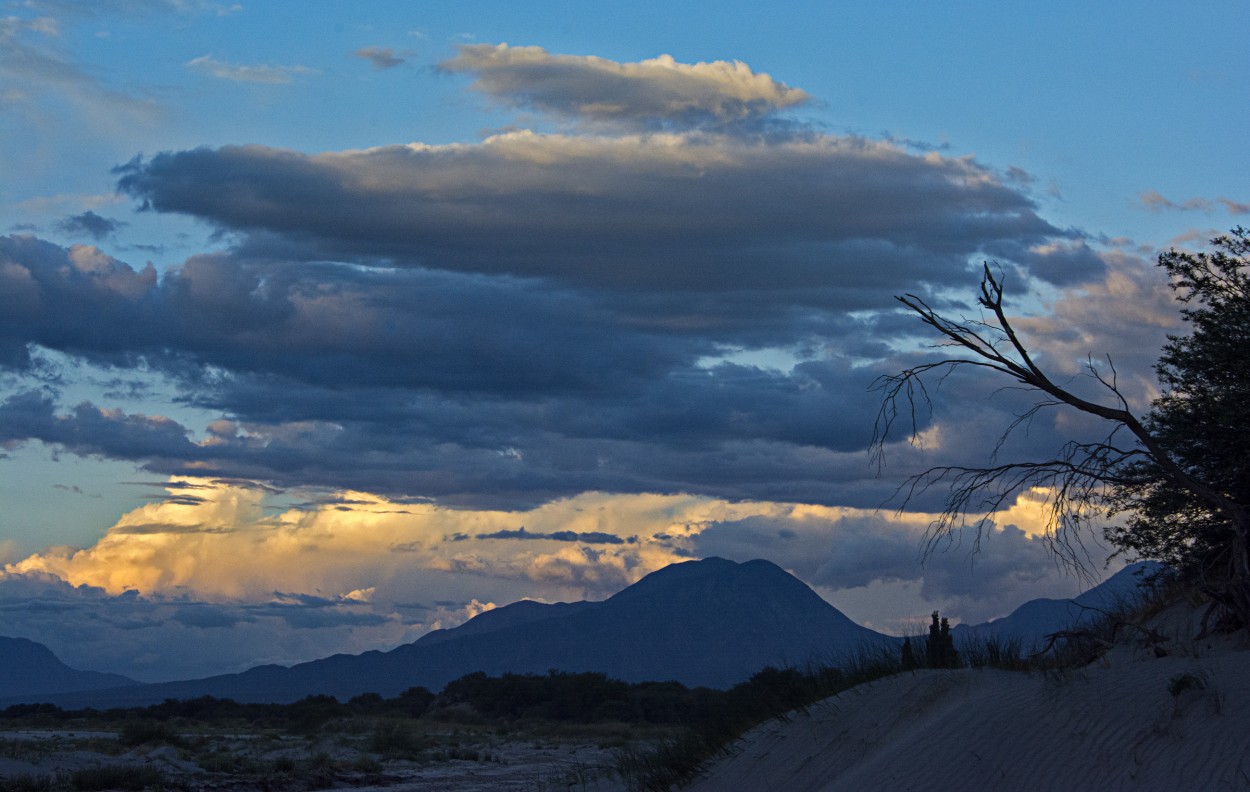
(323, 329)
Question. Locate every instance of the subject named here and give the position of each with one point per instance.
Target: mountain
(711, 622)
(518, 613)
(1034, 620)
(29, 668)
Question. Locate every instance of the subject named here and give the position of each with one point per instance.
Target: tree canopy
(1202, 421)
(1179, 474)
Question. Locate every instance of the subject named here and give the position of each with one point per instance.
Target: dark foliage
(1202, 420)
(940, 648)
(908, 655)
(572, 697)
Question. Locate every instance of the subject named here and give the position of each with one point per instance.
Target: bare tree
(1084, 479)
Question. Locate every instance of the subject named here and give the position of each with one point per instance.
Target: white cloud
(257, 73)
(659, 90)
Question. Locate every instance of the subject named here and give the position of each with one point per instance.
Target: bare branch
(1078, 480)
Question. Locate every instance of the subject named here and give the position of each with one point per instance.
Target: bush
(1181, 683)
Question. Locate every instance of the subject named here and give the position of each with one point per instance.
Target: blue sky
(478, 267)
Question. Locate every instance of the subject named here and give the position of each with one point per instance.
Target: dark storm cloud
(323, 324)
(309, 612)
(589, 537)
(205, 616)
(474, 390)
(87, 430)
(335, 374)
(89, 224)
(846, 218)
(656, 92)
(385, 458)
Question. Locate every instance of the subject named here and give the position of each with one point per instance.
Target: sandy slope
(1113, 725)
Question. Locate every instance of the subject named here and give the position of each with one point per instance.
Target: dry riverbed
(394, 758)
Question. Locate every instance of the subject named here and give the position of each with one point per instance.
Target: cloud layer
(541, 364)
(350, 571)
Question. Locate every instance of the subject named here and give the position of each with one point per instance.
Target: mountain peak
(31, 667)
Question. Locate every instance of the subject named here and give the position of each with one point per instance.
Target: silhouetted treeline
(556, 696)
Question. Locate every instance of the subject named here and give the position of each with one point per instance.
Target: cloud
(509, 324)
(380, 57)
(88, 430)
(556, 390)
(1157, 203)
(133, 7)
(589, 537)
(292, 583)
(225, 545)
(165, 637)
(845, 220)
(43, 80)
(265, 74)
(874, 566)
(494, 391)
(1121, 321)
(651, 93)
(90, 224)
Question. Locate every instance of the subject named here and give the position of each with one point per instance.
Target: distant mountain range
(712, 623)
(1034, 620)
(28, 668)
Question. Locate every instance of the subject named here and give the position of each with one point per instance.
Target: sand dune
(1131, 721)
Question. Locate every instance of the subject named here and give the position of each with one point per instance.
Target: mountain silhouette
(1034, 620)
(707, 623)
(30, 668)
(711, 622)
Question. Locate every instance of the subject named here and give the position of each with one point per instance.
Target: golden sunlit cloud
(219, 541)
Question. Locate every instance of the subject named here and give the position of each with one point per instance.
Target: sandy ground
(1131, 721)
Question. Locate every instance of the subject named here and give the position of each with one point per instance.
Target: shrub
(1181, 683)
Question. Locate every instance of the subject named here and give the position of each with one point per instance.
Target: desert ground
(1148, 715)
(477, 762)
(1157, 709)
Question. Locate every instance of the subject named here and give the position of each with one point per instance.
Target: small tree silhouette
(909, 656)
(940, 648)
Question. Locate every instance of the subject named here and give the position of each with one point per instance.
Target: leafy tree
(1180, 473)
(1202, 420)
